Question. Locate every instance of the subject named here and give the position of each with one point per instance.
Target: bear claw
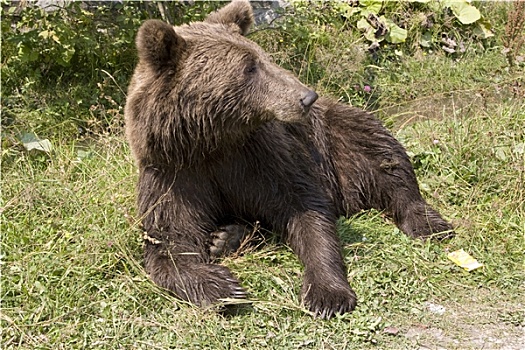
(239, 294)
(326, 304)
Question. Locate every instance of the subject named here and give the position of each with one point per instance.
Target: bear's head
(205, 86)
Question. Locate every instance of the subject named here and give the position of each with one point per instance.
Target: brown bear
(222, 134)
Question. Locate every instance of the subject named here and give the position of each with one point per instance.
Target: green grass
(71, 263)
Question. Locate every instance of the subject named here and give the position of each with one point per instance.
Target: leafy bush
(78, 40)
(70, 64)
(67, 43)
(341, 47)
(427, 24)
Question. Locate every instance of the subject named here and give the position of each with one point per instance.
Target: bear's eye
(250, 69)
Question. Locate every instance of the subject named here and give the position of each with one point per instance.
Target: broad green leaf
(363, 24)
(395, 34)
(370, 35)
(27, 54)
(347, 10)
(370, 6)
(436, 6)
(426, 39)
(482, 29)
(369, 31)
(352, 11)
(464, 12)
(469, 14)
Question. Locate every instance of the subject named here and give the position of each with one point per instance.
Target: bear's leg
(390, 184)
(396, 191)
(374, 171)
(393, 188)
(177, 222)
(325, 290)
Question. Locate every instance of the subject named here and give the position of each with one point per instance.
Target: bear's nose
(309, 99)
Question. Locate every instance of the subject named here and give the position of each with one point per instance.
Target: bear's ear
(158, 44)
(237, 12)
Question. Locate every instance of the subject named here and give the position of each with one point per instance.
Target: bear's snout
(308, 100)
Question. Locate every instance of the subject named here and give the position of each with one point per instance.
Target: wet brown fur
(219, 132)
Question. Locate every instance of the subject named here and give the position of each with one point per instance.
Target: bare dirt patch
(481, 320)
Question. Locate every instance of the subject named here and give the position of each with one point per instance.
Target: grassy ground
(71, 265)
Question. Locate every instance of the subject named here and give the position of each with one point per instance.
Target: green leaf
(363, 24)
(464, 12)
(370, 6)
(66, 55)
(351, 11)
(369, 31)
(371, 36)
(482, 29)
(426, 39)
(395, 34)
(347, 10)
(27, 54)
(436, 6)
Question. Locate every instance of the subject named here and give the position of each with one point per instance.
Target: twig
(109, 75)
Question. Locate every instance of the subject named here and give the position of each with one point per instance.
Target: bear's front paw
(326, 301)
(214, 283)
(201, 284)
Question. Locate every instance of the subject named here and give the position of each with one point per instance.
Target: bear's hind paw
(426, 223)
(226, 240)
